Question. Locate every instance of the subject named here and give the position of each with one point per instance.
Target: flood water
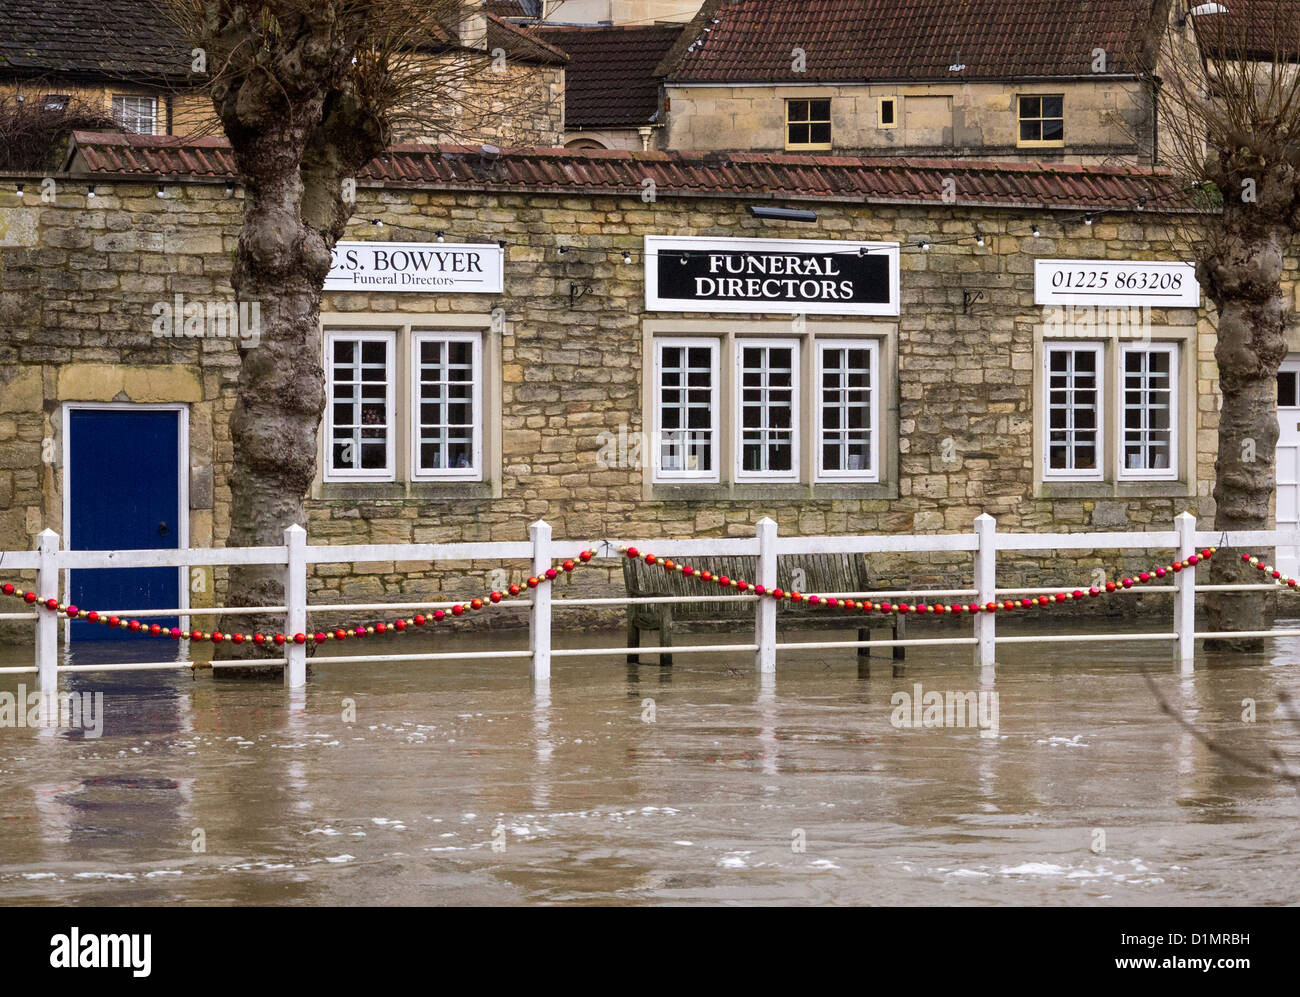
(459, 783)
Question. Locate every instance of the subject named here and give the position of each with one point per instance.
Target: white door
(1288, 460)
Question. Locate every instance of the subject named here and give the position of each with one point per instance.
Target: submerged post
(986, 581)
(765, 608)
(539, 617)
(47, 623)
(295, 606)
(1185, 597)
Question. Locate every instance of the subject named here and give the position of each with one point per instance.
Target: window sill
(1113, 489)
(662, 491)
(396, 491)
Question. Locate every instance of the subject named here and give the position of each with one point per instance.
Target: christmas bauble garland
(259, 639)
(936, 609)
(401, 625)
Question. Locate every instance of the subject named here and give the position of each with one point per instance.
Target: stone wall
(1102, 120)
(78, 281)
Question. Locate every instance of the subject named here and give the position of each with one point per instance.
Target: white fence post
(1185, 597)
(765, 611)
(539, 617)
(986, 581)
(295, 606)
(47, 623)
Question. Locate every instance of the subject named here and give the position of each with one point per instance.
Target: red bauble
(651, 559)
(585, 556)
(457, 610)
(533, 583)
(279, 639)
(667, 565)
(259, 638)
(777, 594)
(515, 590)
(155, 629)
(419, 620)
(51, 603)
(632, 552)
(742, 585)
(476, 603)
(706, 576)
(399, 625)
(29, 597)
(722, 580)
(238, 638)
(217, 636)
(438, 615)
(340, 635)
(381, 628)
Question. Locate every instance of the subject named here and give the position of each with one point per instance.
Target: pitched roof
(610, 81)
(512, 8)
(114, 39)
(520, 45)
(749, 41)
(1255, 30)
(754, 176)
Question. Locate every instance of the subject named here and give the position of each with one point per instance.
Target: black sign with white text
(762, 275)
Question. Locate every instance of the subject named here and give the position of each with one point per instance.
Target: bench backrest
(822, 573)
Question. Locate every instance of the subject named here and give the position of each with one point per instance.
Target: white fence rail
(541, 552)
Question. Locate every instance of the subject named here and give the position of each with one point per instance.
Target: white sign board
(431, 267)
(795, 276)
(1156, 283)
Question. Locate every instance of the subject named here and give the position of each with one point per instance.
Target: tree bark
(1243, 277)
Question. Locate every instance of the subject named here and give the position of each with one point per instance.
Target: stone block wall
(79, 279)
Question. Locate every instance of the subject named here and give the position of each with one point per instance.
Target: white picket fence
(295, 555)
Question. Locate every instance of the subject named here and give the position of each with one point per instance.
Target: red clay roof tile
(756, 175)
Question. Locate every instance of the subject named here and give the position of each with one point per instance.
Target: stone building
(618, 343)
(126, 61)
(1032, 80)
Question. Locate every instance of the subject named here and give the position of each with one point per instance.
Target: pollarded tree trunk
(1242, 275)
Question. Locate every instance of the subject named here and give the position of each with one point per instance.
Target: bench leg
(900, 653)
(666, 635)
(864, 633)
(633, 639)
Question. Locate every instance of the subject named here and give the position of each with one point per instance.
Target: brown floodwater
(461, 783)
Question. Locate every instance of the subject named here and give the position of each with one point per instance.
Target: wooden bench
(822, 573)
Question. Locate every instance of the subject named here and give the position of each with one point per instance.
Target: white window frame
(389, 471)
(872, 346)
(1073, 474)
(1158, 474)
(737, 406)
(134, 115)
(474, 472)
(687, 342)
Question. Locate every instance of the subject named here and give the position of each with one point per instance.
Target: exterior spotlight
(979, 238)
(1089, 218)
(161, 191)
(90, 191)
(377, 222)
(501, 243)
(441, 237)
(925, 246)
(627, 256)
(19, 190)
(1035, 230)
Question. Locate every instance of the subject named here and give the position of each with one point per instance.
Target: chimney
(472, 29)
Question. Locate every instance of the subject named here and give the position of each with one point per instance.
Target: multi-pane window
(359, 407)
(1042, 120)
(767, 440)
(1073, 390)
(686, 409)
(136, 114)
(446, 397)
(1149, 390)
(846, 410)
(808, 124)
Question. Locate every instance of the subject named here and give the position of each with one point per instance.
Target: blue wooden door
(124, 494)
